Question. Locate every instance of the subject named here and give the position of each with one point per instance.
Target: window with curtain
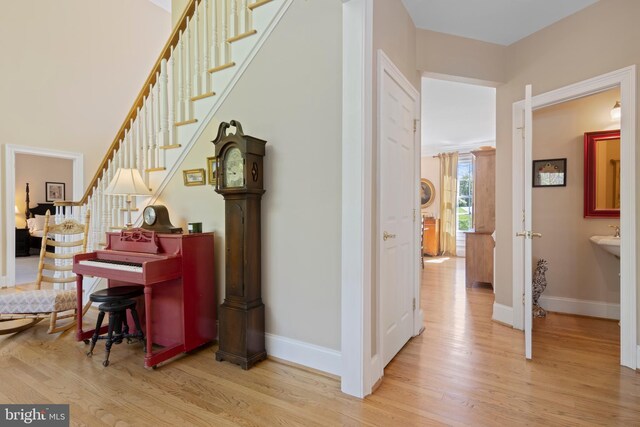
(465, 193)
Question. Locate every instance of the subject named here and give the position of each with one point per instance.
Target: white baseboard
(503, 314)
(3, 281)
(302, 353)
(638, 358)
(603, 310)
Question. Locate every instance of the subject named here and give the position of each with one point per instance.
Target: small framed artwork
(54, 191)
(550, 173)
(212, 173)
(193, 177)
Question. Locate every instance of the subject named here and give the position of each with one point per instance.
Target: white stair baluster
(196, 54)
(233, 19)
(163, 112)
(187, 73)
(205, 47)
(224, 47)
(215, 48)
(243, 17)
(180, 59)
(171, 98)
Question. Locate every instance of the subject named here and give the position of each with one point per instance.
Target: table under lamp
(127, 182)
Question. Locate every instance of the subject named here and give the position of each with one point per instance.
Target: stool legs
(114, 321)
(96, 334)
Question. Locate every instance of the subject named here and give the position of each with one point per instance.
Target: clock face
(234, 168)
(149, 215)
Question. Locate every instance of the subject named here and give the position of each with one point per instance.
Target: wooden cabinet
(479, 258)
(431, 236)
(478, 243)
(22, 242)
(484, 196)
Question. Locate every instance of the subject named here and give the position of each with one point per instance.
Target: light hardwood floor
(463, 370)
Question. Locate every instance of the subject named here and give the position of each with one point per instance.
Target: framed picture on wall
(194, 177)
(54, 191)
(550, 173)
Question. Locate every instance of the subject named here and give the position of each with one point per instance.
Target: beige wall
(70, 72)
(37, 171)
(563, 53)
(301, 240)
(430, 169)
(578, 269)
(468, 60)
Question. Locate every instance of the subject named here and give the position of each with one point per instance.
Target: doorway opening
(580, 289)
(458, 160)
(21, 164)
(623, 79)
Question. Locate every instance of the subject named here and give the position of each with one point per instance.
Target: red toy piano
(179, 310)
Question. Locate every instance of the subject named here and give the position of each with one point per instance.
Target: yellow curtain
(448, 202)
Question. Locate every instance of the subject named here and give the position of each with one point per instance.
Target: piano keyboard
(134, 267)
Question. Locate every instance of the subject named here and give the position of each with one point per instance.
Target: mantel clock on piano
(241, 316)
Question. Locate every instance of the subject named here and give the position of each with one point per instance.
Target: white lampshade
(615, 111)
(127, 182)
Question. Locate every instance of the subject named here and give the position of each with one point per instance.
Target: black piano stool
(116, 301)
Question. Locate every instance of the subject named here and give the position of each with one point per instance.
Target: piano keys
(179, 308)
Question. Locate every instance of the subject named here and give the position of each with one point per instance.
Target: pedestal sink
(610, 244)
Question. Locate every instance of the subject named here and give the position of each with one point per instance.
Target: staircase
(209, 49)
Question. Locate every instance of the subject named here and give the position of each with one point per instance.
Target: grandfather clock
(240, 181)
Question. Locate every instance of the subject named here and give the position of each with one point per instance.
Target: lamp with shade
(127, 182)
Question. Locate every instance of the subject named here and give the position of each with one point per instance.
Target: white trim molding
(625, 79)
(357, 152)
(310, 355)
(10, 194)
(503, 314)
(604, 310)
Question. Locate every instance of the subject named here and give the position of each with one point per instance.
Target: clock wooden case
(240, 181)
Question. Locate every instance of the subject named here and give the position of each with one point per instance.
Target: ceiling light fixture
(615, 111)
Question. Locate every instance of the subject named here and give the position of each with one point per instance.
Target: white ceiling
(497, 21)
(456, 116)
(164, 4)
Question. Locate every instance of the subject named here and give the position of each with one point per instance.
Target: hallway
(467, 369)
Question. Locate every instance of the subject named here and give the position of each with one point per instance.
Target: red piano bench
(116, 301)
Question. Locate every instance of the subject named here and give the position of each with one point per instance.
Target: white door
(526, 233)
(398, 192)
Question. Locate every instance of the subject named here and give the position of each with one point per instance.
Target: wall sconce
(16, 210)
(615, 111)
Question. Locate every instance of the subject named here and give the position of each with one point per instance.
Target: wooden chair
(57, 302)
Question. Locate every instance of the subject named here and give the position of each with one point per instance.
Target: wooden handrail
(133, 112)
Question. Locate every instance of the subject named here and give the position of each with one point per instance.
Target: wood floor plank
(464, 369)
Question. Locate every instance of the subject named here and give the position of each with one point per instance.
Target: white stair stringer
(264, 20)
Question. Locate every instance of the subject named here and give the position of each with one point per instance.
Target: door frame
(625, 79)
(10, 194)
(385, 65)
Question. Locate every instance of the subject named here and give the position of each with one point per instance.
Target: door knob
(536, 234)
(387, 235)
(522, 234)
